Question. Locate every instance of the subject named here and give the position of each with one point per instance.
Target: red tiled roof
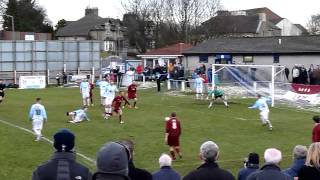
(175, 49)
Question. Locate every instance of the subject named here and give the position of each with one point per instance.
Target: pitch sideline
(88, 159)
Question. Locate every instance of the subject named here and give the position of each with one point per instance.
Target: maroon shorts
(118, 111)
(173, 141)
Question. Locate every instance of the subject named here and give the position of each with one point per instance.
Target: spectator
(311, 75)
(165, 172)
(135, 173)
(316, 129)
(250, 166)
(64, 77)
(209, 170)
(311, 170)
(63, 163)
(271, 169)
(112, 162)
(299, 158)
(295, 74)
(58, 79)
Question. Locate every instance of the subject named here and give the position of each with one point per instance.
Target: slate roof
(234, 24)
(258, 45)
(83, 26)
(175, 49)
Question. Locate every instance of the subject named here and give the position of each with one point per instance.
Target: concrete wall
(288, 28)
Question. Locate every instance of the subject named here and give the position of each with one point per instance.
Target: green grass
(20, 155)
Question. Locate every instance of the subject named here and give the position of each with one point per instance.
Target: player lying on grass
(262, 105)
(116, 106)
(215, 94)
(79, 115)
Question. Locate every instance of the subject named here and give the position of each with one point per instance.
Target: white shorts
(85, 95)
(37, 124)
(264, 115)
(108, 100)
(199, 90)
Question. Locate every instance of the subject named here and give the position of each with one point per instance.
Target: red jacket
(316, 133)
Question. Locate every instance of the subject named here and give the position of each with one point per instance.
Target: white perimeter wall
(285, 60)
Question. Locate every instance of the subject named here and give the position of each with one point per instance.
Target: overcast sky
(296, 11)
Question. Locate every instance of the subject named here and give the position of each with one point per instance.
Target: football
(167, 118)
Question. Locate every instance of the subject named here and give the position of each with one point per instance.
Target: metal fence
(20, 58)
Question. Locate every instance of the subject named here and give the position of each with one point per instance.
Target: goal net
(243, 81)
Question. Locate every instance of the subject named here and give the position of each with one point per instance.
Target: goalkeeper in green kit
(215, 94)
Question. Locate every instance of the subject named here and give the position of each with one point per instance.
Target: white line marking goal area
(86, 158)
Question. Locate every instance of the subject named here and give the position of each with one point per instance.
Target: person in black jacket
(63, 163)
(135, 173)
(270, 170)
(209, 170)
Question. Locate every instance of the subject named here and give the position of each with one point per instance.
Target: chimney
(94, 11)
(262, 17)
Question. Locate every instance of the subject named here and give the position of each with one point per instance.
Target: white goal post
(275, 70)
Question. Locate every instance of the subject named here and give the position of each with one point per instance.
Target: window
(248, 59)
(203, 59)
(276, 58)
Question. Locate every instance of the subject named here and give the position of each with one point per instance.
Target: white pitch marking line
(242, 119)
(46, 139)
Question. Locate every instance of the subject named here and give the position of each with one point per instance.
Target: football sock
(225, 103)
(173, 155)
(134, 104)
(120, 118)
(0, 101)
(178, 152)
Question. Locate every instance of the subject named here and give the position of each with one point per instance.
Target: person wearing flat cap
(112, 162)
(63, 164)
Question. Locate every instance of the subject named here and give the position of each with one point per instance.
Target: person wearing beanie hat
(251, 165)
(209, 170)
(112, 162)
(299, 158)
(63, 163)
(165, 172)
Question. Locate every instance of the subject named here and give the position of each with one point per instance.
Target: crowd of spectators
(115, 162)
(302, 75)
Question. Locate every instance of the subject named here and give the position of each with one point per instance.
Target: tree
(61, 23)
(28, 16)
(173, 20)
(314, 24)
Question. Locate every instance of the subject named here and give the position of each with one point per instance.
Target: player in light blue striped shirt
(38, 116)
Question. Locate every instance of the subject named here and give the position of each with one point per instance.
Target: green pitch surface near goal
(237, 130)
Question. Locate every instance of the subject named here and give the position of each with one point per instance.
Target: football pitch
(237, 130)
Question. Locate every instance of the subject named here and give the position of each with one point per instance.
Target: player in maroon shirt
(116, 105)
(316, 129)
(132, 94)
(172, 135)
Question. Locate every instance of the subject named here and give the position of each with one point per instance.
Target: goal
(249, 80)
